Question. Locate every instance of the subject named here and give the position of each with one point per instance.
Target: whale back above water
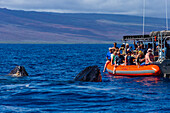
(89, 74)
(19, 71)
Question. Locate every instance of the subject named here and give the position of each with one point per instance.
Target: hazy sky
(154, 8)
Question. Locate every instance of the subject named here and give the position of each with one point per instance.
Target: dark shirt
(119, 60)
(108, 55)
(130, 60)
(139, 59)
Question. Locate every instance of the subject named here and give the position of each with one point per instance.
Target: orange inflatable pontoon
(134, 70)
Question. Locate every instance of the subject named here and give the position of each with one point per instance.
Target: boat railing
(137, 37)
(161, 37)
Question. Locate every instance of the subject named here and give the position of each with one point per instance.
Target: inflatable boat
(134, 70)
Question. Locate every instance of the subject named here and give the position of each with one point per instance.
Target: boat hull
(134, 70)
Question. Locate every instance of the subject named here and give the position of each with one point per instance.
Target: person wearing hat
(118, 61)
(108, 57)
(149, 57)
(140, 58)
(127, 46)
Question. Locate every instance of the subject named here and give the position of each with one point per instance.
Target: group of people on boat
(140, 55)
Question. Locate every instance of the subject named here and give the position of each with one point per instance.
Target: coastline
(109, 42)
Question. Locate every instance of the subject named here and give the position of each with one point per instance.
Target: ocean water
(50, 86)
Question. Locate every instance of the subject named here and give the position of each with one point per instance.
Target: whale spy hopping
(89, 74)
(18, 71)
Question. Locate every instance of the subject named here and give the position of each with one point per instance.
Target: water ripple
(50, 86)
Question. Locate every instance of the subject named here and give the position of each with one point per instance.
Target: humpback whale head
(89, 74)
(18, 71)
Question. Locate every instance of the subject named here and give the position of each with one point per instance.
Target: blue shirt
(108, 56)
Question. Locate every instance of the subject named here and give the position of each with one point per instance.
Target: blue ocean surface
(50, 86)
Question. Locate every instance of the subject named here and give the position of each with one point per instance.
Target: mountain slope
(43, 27)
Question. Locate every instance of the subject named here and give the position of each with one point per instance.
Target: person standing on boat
(115, 46)
(129, 59)
(118, 61)
(136, 45)
(162, 53)
(108, 57)
(127, 47)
